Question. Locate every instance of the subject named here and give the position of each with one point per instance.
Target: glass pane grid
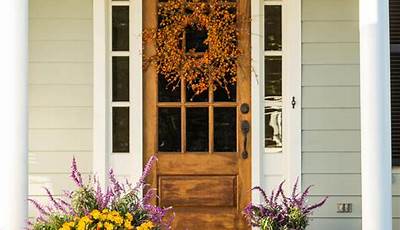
(198, 130)
(120, 76)
(273, 76)
(198, 133)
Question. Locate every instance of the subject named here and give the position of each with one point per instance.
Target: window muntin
(273, 76)
(208, 120)
(120, 76)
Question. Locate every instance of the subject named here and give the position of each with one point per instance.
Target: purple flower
(146, 172)
(116, 186)
(39, 207)
(54, 202)
(75, 174)
(121, 197)
(277, 209)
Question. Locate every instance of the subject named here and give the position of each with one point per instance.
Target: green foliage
(297, 219)
(84, 200)
(269, 224)
(126, 203)
(54, 222)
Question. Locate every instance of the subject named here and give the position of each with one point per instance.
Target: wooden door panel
(206, 219)
(198, 191)
(198, 164)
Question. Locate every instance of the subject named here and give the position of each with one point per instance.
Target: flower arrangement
(215, 65)
(280, 212)
(89, 207)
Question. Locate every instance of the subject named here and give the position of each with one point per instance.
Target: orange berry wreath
(215, 63)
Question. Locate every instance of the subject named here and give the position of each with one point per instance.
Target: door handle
(245, 128)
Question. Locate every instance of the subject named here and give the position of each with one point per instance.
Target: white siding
(60, 93)
(330, 113)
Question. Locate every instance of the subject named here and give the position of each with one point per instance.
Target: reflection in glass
(169, 129)
(273, 104)
(273, 125)
(197, 129)
(273, 76)
(120, 28)
(168, 92)
(273, 27)
(191, 97)
(225, 129)
(120, 78)
(195, 39)
(120, 129)
(221, 95)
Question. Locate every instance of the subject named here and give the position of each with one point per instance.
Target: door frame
(103, 159)
(291, 68)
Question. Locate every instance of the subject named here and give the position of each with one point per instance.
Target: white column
(13, 114)
(101, 148)
(375, 115)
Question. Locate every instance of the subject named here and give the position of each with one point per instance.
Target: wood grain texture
(197, 191)
(206, 219)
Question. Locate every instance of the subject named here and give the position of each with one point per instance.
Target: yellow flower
(128, 225)
(83, 222)
(96, 214)
(129, 216)
(108, 226)
(67, 226)
(146, 226)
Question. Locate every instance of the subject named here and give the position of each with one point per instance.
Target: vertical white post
(100, 91)
(13, 116)
(257, 94)
(375, 115)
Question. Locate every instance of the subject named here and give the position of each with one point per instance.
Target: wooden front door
(203, 170)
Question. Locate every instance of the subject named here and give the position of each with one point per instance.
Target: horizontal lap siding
(60, 93)
(330, 114)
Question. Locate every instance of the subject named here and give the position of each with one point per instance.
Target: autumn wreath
(212, 66)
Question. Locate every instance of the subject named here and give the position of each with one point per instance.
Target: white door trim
(291, 77)
(291, 74)
(257, 92)
(126, 165)
(291, 69)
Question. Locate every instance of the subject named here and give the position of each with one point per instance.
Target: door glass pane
(273, 76)
(120, 28)
(195, 38)
(273, 27)
(120, 79)
(197, 129)
(222, 95)
(192, 97)
(168, 92)
(120, 129)
(273, 104)
(225, 129)
(169, 129)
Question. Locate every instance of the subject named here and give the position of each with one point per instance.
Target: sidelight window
(273, 76)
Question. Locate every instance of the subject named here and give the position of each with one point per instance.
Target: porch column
(13, 115)
(375, 115)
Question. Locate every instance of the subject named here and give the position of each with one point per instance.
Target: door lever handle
(245, 128)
